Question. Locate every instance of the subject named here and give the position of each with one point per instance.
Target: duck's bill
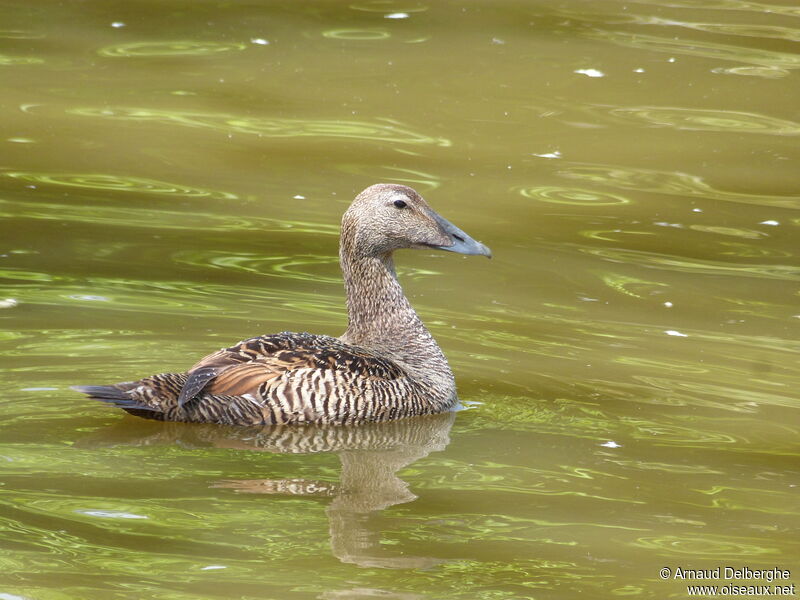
(461, 242)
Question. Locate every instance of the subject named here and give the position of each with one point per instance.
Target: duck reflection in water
(371, 454)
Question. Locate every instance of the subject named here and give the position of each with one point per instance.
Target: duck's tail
(121, 396)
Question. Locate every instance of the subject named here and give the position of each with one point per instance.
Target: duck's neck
(382, 319)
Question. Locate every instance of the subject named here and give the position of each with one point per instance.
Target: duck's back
(272, 379)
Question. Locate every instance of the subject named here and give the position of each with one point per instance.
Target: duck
(385, 366)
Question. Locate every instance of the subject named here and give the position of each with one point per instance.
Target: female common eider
(385, 366)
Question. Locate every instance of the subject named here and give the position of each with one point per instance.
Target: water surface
(172, 176)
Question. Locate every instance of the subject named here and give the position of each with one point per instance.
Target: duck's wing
(275, 379)
(252, 366)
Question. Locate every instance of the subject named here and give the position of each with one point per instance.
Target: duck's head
(386, 217)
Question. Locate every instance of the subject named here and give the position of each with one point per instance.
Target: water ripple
(357, 34)
(304, 267)
(663, 391)
(737, 5)
(699, 266)
(416, 179)
(170, 48)
(562, 481)
(777, 63)
(577, 419)
(19, 34)
(752, 499)
(749, 234)
(632, 286)
(116, 183)
(390, 6)
(695, 119)
(712, 546)
(384, 130)
(751, 251)
(572, 196)
(165, 297)
(13, 61)
(775, 32)
(307, 268)
(668, 182)
(151, 218)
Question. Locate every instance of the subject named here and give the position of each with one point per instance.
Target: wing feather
(257, 363)
(243, 379)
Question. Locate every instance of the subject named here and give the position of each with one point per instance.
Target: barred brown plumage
(385, 366)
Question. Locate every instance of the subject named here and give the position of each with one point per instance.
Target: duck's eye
(400, 203)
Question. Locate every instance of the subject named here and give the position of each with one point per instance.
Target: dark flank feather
(385, 366)
(195, 382)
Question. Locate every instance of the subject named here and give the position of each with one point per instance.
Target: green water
(172, 175)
